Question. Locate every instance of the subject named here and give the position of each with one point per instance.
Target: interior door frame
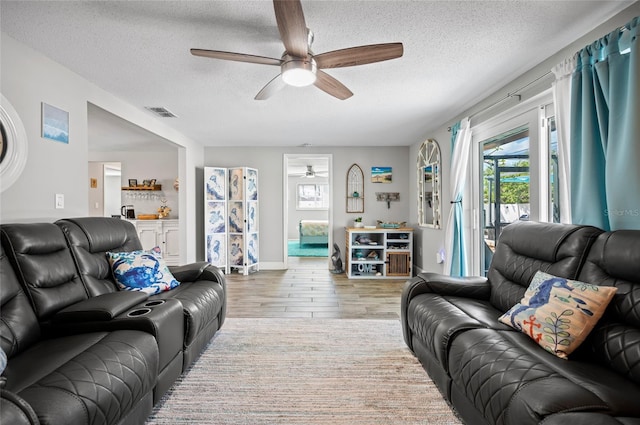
(287, 201)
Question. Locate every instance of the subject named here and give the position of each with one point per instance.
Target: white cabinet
(171, 243)
(379, 253)
(163, 233)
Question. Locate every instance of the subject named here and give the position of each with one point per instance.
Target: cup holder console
(139, 312)
(145, 308)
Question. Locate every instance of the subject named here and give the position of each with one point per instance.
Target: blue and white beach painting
(381, 175)
(55, 123)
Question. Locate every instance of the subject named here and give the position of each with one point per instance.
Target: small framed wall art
(55, 123)
(381, 175)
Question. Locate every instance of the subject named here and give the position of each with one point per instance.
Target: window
(312, 196)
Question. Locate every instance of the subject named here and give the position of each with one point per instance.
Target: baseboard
(272, 266)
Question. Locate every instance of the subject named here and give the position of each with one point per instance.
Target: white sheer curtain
(562, 104)
(456, 261)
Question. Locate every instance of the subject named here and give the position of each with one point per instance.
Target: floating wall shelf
(154, 187)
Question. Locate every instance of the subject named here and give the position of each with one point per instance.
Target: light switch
(59, 200)
(440, 256)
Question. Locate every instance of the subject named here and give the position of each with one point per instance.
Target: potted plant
(358, 222)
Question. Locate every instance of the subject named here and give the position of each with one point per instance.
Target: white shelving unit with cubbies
(379, 253)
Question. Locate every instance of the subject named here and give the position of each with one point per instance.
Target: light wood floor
(309, 289)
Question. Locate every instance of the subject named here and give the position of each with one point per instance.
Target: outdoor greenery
(510, 192)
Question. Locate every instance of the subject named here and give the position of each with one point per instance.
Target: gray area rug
(305, 371)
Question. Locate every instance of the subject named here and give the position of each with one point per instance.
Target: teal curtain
(605, 132)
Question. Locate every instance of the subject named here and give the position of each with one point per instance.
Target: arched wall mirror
(429, 184)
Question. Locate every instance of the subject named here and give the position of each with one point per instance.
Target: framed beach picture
(381, 175)
(55, 123)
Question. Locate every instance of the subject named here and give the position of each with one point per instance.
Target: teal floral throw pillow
(143, 271)
(558, 313)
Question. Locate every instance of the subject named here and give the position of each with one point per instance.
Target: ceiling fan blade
(360, 55)
(330, 85)
(271, 88)
(239, 57)
(292, 27)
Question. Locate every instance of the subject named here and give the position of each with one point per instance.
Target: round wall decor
(13, 145)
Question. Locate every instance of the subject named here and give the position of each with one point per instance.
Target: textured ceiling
(455, 54)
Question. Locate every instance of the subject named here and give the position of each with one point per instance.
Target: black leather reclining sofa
(79, 350)
(494, 374)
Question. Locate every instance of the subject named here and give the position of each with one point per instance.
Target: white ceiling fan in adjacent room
(310, 173)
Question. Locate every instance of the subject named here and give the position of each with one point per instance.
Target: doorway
(308, 206)
(105, 189)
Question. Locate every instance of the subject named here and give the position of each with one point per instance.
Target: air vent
(161, 112)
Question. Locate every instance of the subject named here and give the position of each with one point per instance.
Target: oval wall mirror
(429, 184)
(13, 145)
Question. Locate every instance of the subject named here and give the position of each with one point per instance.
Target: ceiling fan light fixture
(299, 72)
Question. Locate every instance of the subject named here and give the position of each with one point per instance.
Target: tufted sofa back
(614, 260)
(89, 239)
(43, 265)
(522, 251)
(18, 323)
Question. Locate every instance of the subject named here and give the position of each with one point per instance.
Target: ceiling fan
(310, 173)
(299, 66)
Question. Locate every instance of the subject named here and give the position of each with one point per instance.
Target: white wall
(269, 162)
(28, 78)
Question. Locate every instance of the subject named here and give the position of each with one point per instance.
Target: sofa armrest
(435, 283)
(470, 287)
(189, 272)
(102, 308)
(203, 271)
(14, 410)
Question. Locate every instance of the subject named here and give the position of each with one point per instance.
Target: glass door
(506, 186)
